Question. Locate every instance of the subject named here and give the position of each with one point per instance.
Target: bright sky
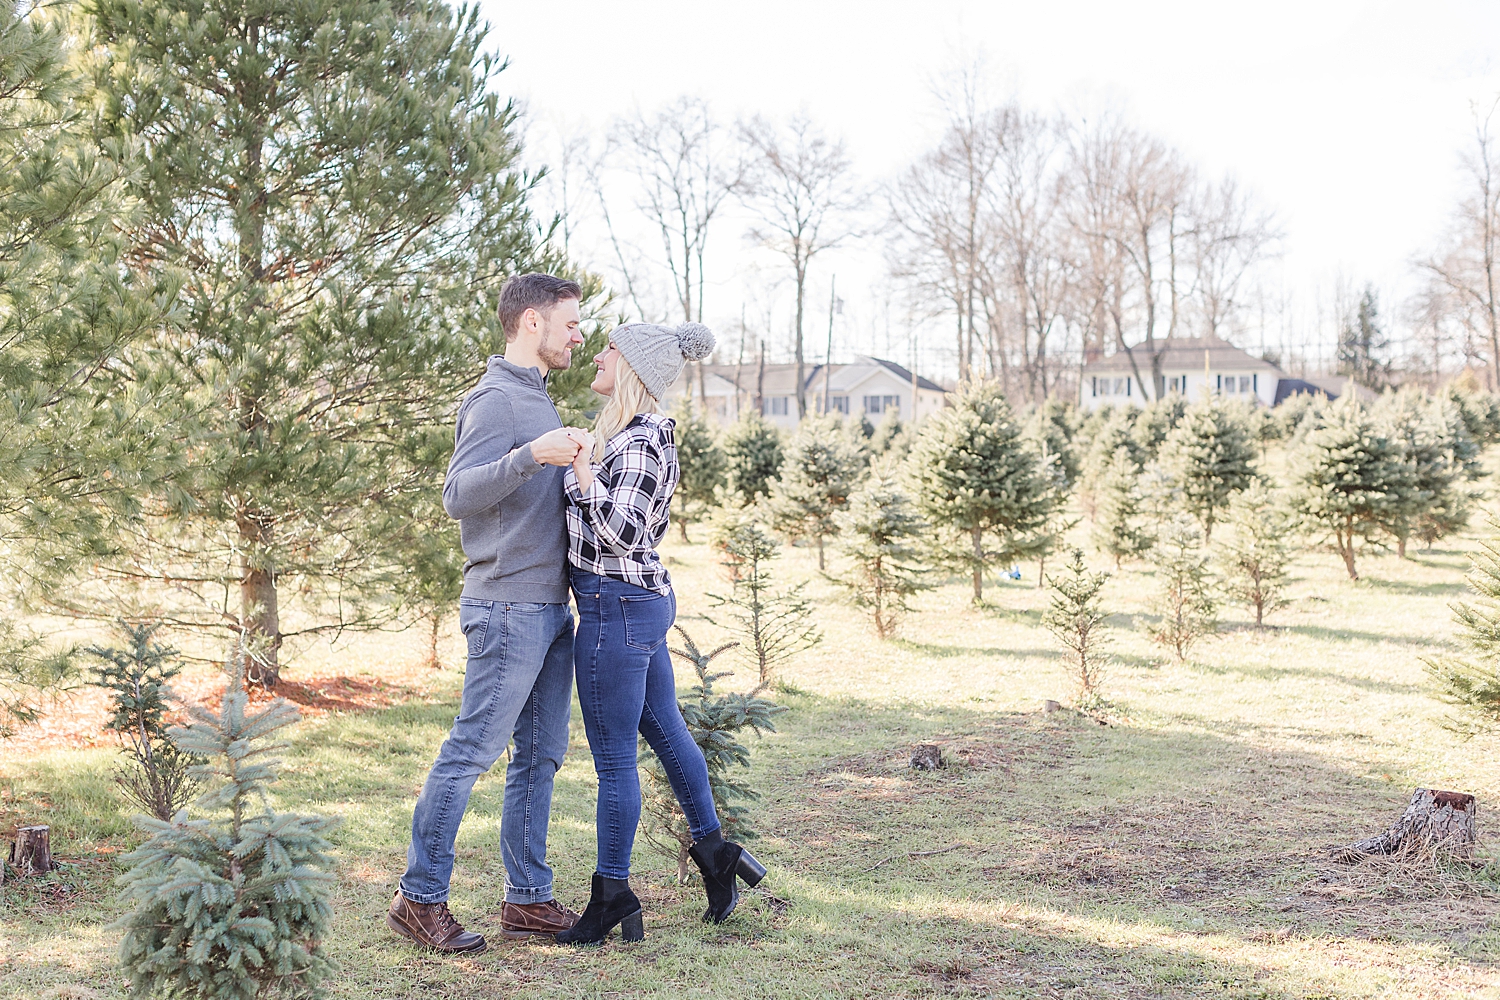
(1346, 118)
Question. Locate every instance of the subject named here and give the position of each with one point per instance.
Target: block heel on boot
(720, 861)
(611, 903)
(749, 869)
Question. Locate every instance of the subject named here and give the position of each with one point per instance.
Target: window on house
(1245, 383)
(775, 406)
(838, 404)
(879, 404)
(1112, 386)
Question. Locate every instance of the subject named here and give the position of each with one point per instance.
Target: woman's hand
(582, 467)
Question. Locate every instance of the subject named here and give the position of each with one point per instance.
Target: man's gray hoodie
(509, 506)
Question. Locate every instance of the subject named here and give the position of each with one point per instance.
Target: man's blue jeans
(625, 686)
(519, 682)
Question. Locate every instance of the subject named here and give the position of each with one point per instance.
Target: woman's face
(605, 361)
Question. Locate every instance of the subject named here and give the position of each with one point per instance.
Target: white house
(1190, 366)
(869, 386)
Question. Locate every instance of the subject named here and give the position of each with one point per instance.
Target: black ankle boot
(611, 902)
(720, 861)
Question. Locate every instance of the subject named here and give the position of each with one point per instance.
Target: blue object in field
(1015, 573)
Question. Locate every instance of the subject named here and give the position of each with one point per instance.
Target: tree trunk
(31, 854)
(978, 536)
(1346, 549)
(1434, 822)
(259, 610)
(682, 530)
(436, 618)
(1401, 547)
(820, 553)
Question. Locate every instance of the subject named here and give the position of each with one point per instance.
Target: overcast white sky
(1345, 118)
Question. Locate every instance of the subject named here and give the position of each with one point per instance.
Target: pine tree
(1050, 429)
(1471, 680)
(1117, 529)
(977, 478)
(157, 779)
(1431, 439)
(235, 908)
(818, 472)
(72, 453)
(1257, 552)
(715, 721)
(1108, 436)
(1184, 604)
(337, 182)
(753, 455)
(1155, 424)
(890, 439)
(772, 625)
(1211, 455)
(1076, 617)
(703, 466)
(1363, 345)
(1347, 477)
(880, 528)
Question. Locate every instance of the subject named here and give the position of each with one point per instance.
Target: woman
(619, 493)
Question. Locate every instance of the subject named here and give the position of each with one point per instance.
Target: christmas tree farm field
(1180, 850)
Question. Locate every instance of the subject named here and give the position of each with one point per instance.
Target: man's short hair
(531, 291)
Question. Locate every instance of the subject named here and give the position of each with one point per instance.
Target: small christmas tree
(1472, 681)
(818, 472)
(752, 456)
(1436, 499)
(890, 440)
(1211, 455)
(1076, 618)
(157, 778)
(1050, 428)
(772, 625)
(880, 526)
(1258, 550)
(978, 479)
(1185, 601)
(1347, 477)
(31, 674)
(1117, 527)
(237, 908)
(1109, 435)
(703, 467)
(715, 722)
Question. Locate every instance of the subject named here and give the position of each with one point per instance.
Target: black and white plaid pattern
(614, 528)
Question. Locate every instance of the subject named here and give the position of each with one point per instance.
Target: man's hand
(555, 447)
(584, 438)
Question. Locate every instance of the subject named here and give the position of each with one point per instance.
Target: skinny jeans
(626, 687)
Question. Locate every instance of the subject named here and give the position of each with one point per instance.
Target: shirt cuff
(595, 495)
(526, 462)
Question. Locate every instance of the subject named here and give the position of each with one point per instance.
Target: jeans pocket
(647, 619)
(526, 607)
(474, 619)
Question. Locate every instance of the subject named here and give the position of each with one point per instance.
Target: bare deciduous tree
(1468, 265)
(801, 185)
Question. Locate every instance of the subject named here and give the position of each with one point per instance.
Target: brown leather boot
(432, 925)
(523, 920)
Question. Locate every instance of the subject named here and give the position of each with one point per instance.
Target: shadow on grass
(1065, 831)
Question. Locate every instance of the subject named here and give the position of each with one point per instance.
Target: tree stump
(1434, 823)
(927, 757)
(31, 854)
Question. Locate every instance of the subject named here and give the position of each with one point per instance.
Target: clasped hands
(564, 446)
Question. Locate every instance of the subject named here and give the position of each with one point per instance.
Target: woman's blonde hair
(629, 399)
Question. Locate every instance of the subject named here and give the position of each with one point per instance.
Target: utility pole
(834, 305)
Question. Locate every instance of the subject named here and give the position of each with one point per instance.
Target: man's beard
(555, 358)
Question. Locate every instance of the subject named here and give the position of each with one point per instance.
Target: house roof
(1185, 353)
(781, 378)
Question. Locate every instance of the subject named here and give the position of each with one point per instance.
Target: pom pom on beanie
(695, 340)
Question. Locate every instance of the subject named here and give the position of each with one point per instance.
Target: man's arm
(486, 427)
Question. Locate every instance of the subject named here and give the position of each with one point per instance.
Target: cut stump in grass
(1434, 822)
(927, 757)
(31, 854)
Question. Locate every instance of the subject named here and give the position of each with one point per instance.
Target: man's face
(560, 334)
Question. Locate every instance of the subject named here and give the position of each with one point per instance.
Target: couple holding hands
(543, 508)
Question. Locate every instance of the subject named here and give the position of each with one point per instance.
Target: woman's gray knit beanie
(657, 353)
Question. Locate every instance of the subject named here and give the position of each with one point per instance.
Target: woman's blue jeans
(625, 687)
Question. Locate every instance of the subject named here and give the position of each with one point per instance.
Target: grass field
(1180, 851)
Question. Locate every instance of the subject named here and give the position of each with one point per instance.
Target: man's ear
(531, 320)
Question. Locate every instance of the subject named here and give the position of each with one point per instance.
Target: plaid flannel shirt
(614, 527)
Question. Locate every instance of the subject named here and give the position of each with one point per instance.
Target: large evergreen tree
(819, 470)
(978, 478)
(1211, 456)
(1347, 477)
(72, 449)
(336, 183)
(1436, 499)
(1363, 345)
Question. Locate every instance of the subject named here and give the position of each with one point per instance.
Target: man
(504, 486)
